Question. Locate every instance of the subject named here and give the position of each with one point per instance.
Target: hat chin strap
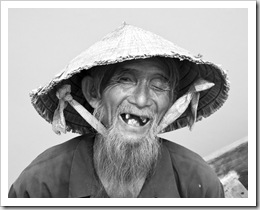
(180, 106)
(59, 124)
(176, 110)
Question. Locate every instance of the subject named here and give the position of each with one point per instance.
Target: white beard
(121, 165)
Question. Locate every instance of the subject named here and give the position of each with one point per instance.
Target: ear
(89, 91)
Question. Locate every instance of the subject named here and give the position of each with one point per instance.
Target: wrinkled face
(137, 94)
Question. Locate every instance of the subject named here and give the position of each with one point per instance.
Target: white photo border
(250, 201)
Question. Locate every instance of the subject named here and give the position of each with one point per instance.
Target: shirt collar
(162, 183)
(83, 181)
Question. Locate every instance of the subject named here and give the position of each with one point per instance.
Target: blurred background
(43, 41)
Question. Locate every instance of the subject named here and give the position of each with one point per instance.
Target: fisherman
(120, 94)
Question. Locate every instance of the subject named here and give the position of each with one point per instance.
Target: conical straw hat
(127, 43)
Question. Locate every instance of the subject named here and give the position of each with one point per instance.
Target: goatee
(124, 164)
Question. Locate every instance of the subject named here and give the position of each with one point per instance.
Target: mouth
(134, 120)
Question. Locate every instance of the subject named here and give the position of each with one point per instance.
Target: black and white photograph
(128, 100)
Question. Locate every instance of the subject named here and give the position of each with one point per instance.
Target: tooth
(133, 122)
(127, 116)
(144, 119)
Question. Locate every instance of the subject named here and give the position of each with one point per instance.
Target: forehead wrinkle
(138, 72)
(122, 70)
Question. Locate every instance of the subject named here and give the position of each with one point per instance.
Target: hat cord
(179, 107)
(59, 123)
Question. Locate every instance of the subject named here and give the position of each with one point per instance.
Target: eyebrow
(119, 71)
(163, 76)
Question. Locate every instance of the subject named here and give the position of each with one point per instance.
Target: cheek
(163, 104)
(112, 98)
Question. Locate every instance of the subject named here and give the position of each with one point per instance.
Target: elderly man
(137, 85)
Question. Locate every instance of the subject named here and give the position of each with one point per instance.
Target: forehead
(144, 66)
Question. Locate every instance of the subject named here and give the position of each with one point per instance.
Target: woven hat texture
(127, 43)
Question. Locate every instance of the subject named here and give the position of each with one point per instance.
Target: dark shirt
(67, 170)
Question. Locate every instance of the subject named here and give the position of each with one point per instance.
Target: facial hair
(123, 164)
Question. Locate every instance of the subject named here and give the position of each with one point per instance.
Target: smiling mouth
(134, 120)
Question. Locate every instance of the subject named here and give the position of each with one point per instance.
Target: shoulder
(180, 153)
(64, 150)
(48, 174)
(196, 178)
(58, 154)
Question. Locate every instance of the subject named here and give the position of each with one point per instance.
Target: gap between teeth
(143, 119)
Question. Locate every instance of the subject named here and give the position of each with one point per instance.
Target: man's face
(137, 95)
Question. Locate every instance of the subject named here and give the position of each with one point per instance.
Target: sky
(41, 42)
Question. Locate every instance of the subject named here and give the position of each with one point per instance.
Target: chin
(131, 138)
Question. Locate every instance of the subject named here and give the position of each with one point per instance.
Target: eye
(160, 85)
(126, 78)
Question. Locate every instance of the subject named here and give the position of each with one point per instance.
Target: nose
(141, 96)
